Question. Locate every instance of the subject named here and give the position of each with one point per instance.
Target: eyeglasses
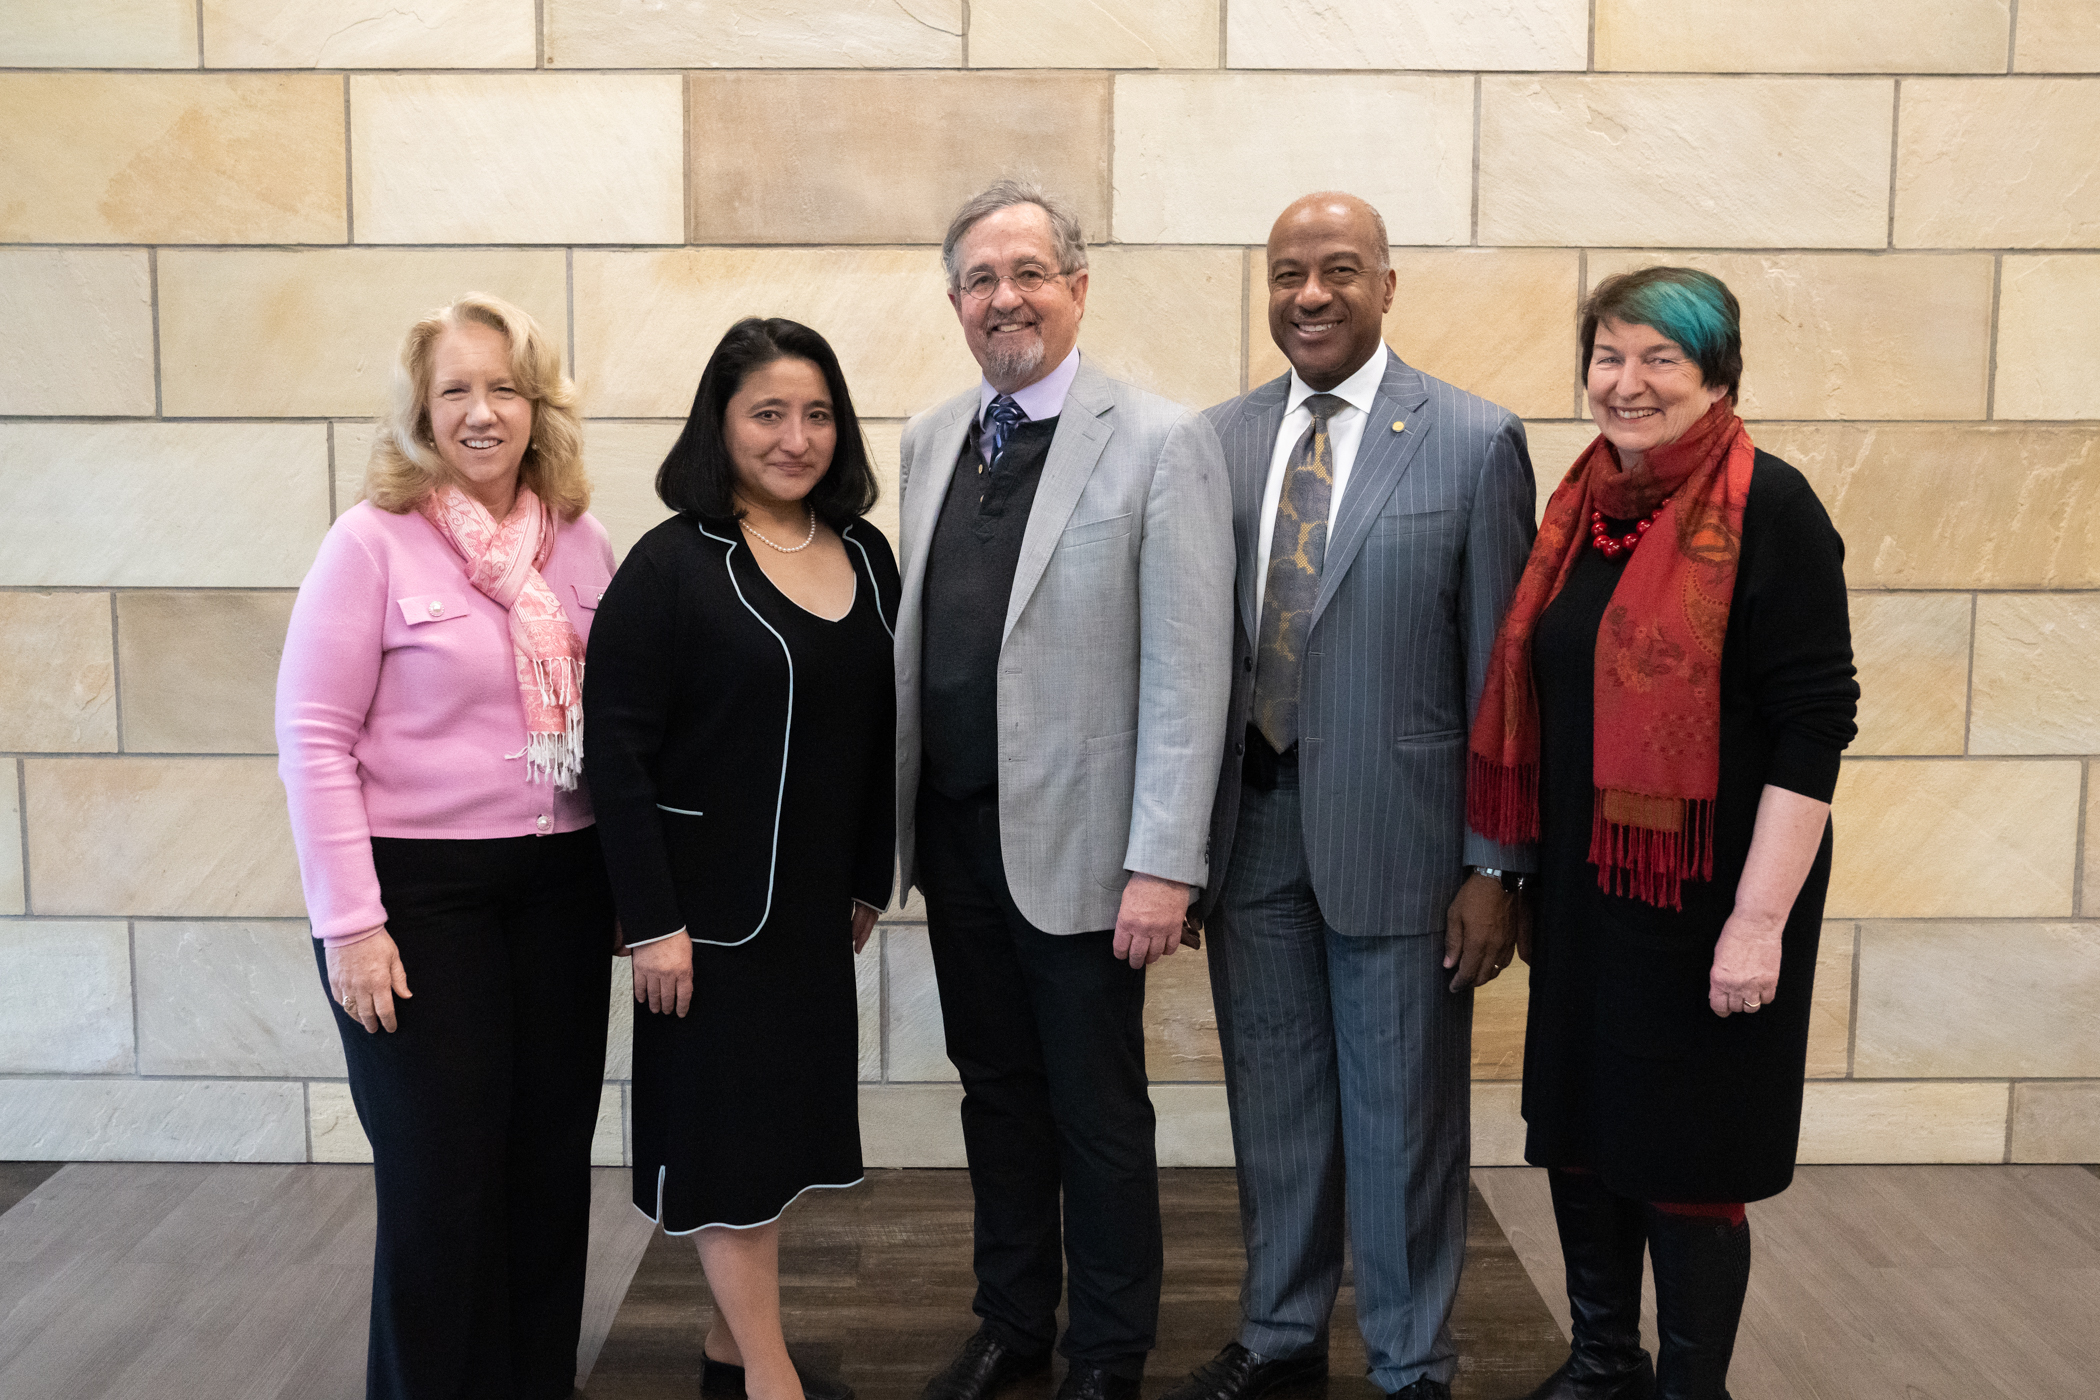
(980, 286)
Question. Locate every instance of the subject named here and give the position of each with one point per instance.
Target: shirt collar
(1358, 390)
(1046, 397)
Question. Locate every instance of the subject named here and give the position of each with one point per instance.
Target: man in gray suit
(1381, 518)
(1062, 653)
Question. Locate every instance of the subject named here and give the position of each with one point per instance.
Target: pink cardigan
(397, 705)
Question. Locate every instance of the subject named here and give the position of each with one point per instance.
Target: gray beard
(1013, 361)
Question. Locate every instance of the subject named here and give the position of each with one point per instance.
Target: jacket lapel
(1249, 448)
(1083, 431)
(1382, 458)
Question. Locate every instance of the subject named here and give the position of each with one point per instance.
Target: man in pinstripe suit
(1381, 519)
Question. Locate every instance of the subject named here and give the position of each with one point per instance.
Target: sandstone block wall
(219, 215)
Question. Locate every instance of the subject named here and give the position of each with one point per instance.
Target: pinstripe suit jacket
(1112, 666)
(1422, 559)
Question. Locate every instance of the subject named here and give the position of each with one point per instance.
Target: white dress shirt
(1345, 431)
(1043, 399)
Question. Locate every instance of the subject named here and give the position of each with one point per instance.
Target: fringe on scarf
(556, 756)
(1502, 801)
(1667, 841)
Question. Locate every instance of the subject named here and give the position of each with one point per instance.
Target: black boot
(1601, 1238)
(1702, 1270)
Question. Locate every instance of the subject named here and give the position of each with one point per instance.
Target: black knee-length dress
(741, 757)
(1627, 1070)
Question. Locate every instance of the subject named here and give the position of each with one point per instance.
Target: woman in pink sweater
(429, 717)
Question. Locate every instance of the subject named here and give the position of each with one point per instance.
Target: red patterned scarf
(1658, 676)
(503, 562)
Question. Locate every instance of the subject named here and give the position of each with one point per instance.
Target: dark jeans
(481, 1109)
(1048, 1035)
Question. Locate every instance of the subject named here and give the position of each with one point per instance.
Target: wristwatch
(1512, 881)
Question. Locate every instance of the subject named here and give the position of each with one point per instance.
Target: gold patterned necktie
(1297, 549)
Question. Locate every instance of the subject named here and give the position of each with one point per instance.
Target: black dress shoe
(719, 1378)
(1085, 1381)
(1423, 1389)
(984, 1365)
(1239, 1374)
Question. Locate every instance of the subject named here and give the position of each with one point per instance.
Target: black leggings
(481, 1110)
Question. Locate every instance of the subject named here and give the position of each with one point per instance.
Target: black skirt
(750, 1099)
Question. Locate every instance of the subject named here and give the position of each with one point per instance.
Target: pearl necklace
(783, 548)
(1612, 546)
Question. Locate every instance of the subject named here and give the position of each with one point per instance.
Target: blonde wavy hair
(405, 465)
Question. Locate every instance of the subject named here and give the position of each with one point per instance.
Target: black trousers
(481, 1109)
(1048, 1034)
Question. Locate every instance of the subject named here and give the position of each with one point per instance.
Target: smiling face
(780, 430)
(1017, 337)
(1329, 288)
(1645, 391)
(479, 421)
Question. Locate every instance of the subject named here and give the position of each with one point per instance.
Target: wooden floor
(1893, 1283)
(171, 1282)
(122, 1281)
(876, 1282)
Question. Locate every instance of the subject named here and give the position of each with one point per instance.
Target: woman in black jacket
(1664, 713)
(741, 705)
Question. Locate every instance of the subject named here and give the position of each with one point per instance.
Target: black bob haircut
(697, 477)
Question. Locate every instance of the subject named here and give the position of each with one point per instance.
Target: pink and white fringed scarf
(503, 563)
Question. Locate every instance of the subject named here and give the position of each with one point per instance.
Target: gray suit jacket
(1112, 670)
(1422, 560)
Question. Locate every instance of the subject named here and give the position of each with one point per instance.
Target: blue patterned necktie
(1001, 419)
(1297, 552)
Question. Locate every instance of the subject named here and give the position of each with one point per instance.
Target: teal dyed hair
(1693, 308)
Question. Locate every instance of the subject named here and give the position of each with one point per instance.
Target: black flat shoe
(1239, 1374)
(1085, 1381)
(983, 1366)
(719, 1378)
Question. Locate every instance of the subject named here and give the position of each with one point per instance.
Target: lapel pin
(1398, 424)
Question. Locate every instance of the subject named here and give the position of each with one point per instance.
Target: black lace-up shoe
(1423, 1389)
(1239, 1374)
(983, 1366)
(1086, 1381)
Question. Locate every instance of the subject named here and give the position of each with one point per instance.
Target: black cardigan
(670, 727)
(1627, 1070)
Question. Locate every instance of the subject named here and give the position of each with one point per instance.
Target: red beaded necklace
(1612, 546)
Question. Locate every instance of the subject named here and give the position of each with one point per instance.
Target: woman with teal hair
(1663, 715)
